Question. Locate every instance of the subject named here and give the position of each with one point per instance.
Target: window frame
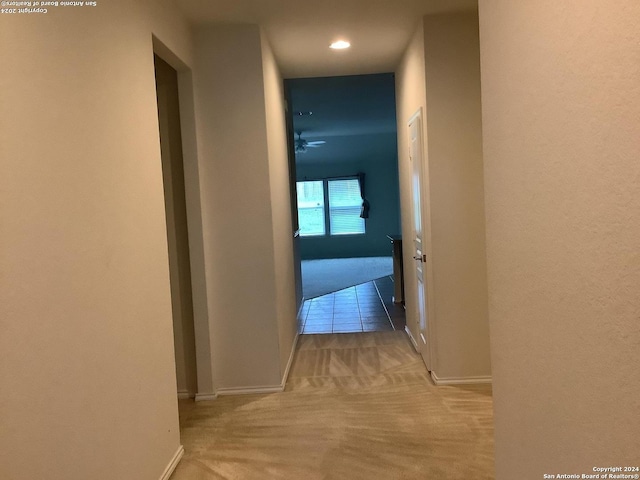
(327, 209)
(324, 209)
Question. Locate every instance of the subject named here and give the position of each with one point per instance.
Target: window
(344, 207)
(311, 208)
(339, 198)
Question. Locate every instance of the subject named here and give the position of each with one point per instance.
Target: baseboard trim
(185, 395)
(249, 390)
(267, 388)
(203, 397)
(413, 340)
(173, 464)
(459, 380)
(285, 376)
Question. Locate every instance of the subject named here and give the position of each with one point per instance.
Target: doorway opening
(173, 176)
(346, 188)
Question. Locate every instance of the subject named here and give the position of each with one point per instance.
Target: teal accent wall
(382, 191)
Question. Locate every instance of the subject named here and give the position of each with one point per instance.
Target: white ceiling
(300, 31)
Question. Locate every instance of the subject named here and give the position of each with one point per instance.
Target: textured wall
(561, 120)
(87, 368)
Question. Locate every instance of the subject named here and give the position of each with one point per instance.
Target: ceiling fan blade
(316, 143)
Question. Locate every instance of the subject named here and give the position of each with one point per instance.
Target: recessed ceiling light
(340, 45)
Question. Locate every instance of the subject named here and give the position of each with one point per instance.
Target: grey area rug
(320, 277)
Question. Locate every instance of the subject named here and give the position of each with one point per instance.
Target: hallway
(356, 406)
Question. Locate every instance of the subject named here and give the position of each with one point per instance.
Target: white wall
(561, 120)
(286, 309)
(454, 125)
(87, 353)
(234, 157)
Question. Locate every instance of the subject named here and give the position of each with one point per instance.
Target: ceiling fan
(301, 144)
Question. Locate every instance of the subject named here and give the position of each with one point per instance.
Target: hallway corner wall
(456, 184)
(439, 74)
(238, 215)
(275, 107)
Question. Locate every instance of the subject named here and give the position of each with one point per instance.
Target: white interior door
(419, 255)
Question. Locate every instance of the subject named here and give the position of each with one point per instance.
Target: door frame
(295, 226)
(428, 350)
(204, 370)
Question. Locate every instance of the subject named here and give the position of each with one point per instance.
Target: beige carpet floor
(356, 406)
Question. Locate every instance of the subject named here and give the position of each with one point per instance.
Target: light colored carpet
(356, 407)
(320, 277)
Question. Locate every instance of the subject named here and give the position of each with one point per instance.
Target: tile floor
(363, 308)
